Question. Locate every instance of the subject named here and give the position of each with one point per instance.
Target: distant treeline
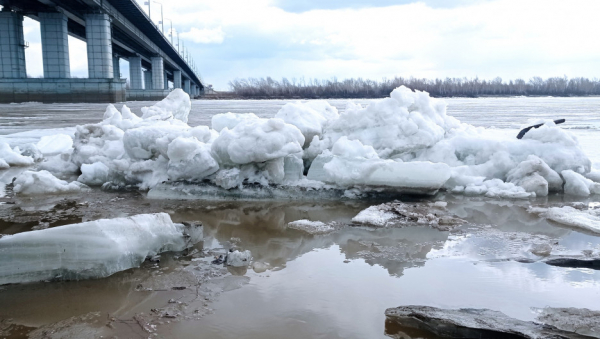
(450, 87)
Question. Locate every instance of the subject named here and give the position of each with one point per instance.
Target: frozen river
(336, 285)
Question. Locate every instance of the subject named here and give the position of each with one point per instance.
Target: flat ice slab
(588, 220)
(311, 227)
(92, 249)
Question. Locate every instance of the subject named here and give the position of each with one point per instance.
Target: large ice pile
(92, 249)
(404, 143)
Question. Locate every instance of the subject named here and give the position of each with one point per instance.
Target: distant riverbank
(268, 88)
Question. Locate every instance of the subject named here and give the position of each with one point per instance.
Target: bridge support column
(177, 79)
(116, 67)
(12, 45)
(186, 86)
(55, 45)
(135, 73)
(99, 46)
(166, 81)
(158, 73)
(147, 79)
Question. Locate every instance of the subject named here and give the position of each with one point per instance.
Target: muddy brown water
(336, 285)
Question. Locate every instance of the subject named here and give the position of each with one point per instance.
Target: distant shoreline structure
(267, 88)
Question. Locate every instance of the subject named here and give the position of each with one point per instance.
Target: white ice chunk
(257, 140)
(228, 178)
(176, 105)
(293, 168)
(593, 175)
(148, 142)
(239, 259)
(9, 157)
(190, 159)
(350, 163)
(230, 120)
(43, 182)
(374, 216)
(496, 188)
(534, 175)
(353, 149)
(588, 219)
(55, 144)
(311, 227)
(577, 184)
(92, 249)
(94, 174)
(310, 118)
(59, 165)
(398, 214)
(407, 121)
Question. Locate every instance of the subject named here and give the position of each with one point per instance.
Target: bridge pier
(99, 46)
(116, 67)
(158, 73)
(148, 80)
(94, 22)
(186, 86)
(12, 45)
(177, 79)
(55, 45)
(135, 73)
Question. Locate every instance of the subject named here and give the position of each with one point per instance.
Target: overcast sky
(383, 38)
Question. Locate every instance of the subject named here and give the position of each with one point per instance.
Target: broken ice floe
(398, 214)
(587, 220)
(405, 143)
(311, 227)
(43, 182)
(92, 249)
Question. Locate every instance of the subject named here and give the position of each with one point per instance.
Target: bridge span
(113, 30)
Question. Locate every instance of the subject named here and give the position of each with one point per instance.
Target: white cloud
(205, 35)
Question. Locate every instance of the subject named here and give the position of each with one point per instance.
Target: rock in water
(467, 323)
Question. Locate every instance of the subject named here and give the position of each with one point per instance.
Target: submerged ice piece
(92, 249)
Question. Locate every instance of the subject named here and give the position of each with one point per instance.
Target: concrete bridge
(112, 29)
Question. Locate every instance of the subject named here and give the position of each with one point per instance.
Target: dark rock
(430, 322)
(575, 262)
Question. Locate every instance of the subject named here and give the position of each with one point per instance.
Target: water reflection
(336, 285)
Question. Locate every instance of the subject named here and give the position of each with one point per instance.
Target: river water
(336, 285)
